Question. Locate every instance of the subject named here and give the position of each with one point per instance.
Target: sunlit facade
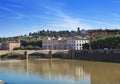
(64, 44)
(10, 45)
(99, 33)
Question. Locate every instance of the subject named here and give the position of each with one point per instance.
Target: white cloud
(68, 23)
(5, 9)
(102, 24)
(14, 13)
(63, 21)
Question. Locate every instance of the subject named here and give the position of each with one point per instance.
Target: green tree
(37, 48)
(22, 48)
(111, 42)
(30, 47)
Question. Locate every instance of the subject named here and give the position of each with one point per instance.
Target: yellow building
(10, 45)
(95, 34)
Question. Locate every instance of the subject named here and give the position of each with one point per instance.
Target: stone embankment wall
(112, 55)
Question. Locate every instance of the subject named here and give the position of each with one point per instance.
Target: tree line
(30, 44)
(57, 34)
(112, 42)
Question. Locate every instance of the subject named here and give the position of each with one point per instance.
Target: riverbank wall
(112, 55)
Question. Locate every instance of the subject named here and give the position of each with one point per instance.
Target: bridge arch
(38, 55)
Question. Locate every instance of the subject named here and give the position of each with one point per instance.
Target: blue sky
(19, 17)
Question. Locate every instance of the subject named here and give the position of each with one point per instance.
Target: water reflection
(63, 71)
(56, 68)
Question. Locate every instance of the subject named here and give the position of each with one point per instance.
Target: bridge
(112, 55)
(47, 53)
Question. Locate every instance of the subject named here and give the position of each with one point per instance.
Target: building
(0, 46)
(54, 44)
(9, 45)
(64, 44)
(95, 34)
(76, 43)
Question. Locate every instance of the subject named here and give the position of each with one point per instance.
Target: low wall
(96, 55)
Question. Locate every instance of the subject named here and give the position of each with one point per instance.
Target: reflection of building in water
(57, 69)
(80, 73)
(99, 73)
(49, 69)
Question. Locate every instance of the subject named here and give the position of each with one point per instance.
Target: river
(59, 71)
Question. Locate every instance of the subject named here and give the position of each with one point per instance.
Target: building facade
(95, 34)
(10, 45)
(76, 44)
(64, 44)
(0, 46)
(53, 44)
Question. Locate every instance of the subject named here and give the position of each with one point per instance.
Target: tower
(78, 31)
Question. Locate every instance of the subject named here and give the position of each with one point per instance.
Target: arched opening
(12, 56)
(58, 55)
(37, 55)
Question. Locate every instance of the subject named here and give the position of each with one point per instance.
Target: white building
(0, 46)
(64, 44)
(76, 44)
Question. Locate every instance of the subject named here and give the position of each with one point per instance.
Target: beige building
(95, 34)
(64, 44)
(10, 45)
(54, 44)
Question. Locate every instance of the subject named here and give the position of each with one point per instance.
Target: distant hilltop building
(99, 33)
(75, 43)
(9, 45)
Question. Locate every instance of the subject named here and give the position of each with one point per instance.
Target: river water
(59, 72)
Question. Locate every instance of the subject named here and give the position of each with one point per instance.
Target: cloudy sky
(19, 17)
